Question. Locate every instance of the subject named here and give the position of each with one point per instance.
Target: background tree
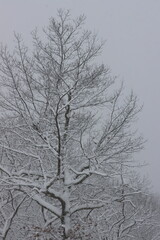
(65, 131)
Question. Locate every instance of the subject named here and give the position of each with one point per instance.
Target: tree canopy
(67, 142)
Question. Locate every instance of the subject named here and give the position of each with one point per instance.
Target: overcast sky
(132, 50)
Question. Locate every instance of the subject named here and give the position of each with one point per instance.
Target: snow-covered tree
(65, 131)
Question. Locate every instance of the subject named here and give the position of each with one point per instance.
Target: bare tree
(10, 202)
(65, 131)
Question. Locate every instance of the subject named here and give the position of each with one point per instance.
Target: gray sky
(132, 31)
